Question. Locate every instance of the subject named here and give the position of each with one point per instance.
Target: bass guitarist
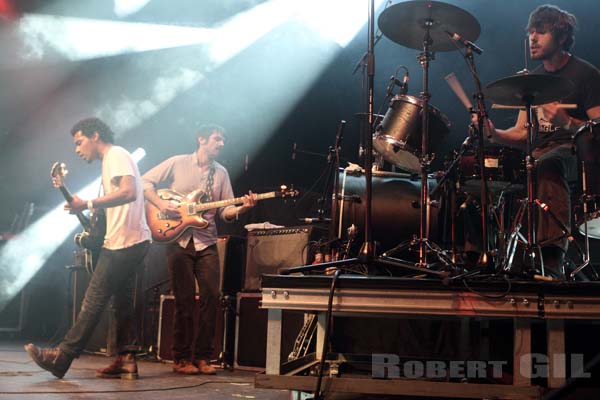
(193, 255)
(125, 245)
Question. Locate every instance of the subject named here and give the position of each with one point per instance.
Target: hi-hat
(407, 24)
(518, 90)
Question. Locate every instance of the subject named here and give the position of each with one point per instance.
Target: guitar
(167, 229)
(94, 227)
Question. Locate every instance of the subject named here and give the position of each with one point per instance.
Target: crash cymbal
(539, 88)
(407, 24)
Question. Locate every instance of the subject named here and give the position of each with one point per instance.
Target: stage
(21, 378)
(538, 355)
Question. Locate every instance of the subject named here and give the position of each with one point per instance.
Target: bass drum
(395, 207)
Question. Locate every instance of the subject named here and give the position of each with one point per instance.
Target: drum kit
(411, 127)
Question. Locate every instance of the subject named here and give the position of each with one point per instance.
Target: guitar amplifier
(270, 250)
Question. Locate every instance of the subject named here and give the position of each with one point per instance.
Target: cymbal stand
(423, 242)
(528, 206)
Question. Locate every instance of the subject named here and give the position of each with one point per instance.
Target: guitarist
(121, 257)
(193, 257)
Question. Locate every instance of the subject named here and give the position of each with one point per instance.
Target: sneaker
(123, 367)
(204, 367)
(185, 367)
(53, 360)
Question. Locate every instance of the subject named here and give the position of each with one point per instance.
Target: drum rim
(586, 124)
(419, 103)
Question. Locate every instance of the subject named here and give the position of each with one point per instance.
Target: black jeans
(114, 277)
(556, 168)
(185, 267)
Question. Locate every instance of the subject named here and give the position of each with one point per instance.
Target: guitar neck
(83, 220)
(230, 202)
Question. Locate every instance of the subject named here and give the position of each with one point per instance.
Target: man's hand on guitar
(249, 202)
(76, 205)
(169, 209)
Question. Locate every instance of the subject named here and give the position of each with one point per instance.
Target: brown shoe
(123, 367)
(185, 367)
(53, 360)
(204, 367)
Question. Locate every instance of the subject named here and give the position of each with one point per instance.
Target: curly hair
(89, 126)
(561, 23)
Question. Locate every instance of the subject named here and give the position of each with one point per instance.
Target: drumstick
(458, 90)
(560, 105)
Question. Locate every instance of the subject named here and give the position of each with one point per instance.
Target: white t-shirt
(125, 224)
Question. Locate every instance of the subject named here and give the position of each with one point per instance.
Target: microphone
(393, 81)
(246, 163)
(467, 43)
(404, 85)
(294, 147)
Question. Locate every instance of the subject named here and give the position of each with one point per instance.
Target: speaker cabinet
(251, 332)
(270, 250)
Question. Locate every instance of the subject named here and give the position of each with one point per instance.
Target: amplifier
(270, 250)
(251, 332)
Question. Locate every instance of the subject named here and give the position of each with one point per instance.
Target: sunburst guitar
(167, 228)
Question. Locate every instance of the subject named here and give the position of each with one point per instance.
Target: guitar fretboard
(229, 202)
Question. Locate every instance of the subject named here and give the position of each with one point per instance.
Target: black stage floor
(21, 378)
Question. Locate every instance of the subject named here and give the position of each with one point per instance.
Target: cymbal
(407, 24)
(540, 88)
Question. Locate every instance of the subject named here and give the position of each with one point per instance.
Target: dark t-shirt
(586, 94)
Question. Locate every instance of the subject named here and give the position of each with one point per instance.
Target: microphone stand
(482, 115)
(367, 250)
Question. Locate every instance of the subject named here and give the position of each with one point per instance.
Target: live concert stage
(20, 378)
(318, 199)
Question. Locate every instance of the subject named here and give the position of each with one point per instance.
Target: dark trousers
(186, 266)
(114, 277)
(556, 167)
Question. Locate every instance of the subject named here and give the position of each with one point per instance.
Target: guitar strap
(209, 183)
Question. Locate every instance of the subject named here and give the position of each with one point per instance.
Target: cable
(128, 390)
(317, 394)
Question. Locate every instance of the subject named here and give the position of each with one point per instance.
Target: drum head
(398, 137)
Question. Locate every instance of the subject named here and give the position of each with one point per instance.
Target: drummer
(551, 37)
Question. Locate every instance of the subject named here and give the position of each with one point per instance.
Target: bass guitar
(94, 226)
(168, 228)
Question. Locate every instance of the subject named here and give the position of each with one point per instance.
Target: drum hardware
(423, 26)
(482, 117)
(528, 90)
(584, 143)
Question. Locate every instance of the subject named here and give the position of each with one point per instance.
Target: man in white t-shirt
(122, 255)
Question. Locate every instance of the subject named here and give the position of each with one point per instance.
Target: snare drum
(398, 137)
(503, 166)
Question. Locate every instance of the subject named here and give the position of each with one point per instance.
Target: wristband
(90, 205)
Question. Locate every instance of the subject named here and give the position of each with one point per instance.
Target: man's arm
(159, 174)
(125, 193)
(515, 136)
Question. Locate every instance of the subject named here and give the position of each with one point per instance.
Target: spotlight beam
(26, 253)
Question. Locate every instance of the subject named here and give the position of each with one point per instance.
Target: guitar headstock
(284, 191)
(58, 172)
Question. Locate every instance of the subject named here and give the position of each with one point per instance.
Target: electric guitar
(168, 228)
(94, 226)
